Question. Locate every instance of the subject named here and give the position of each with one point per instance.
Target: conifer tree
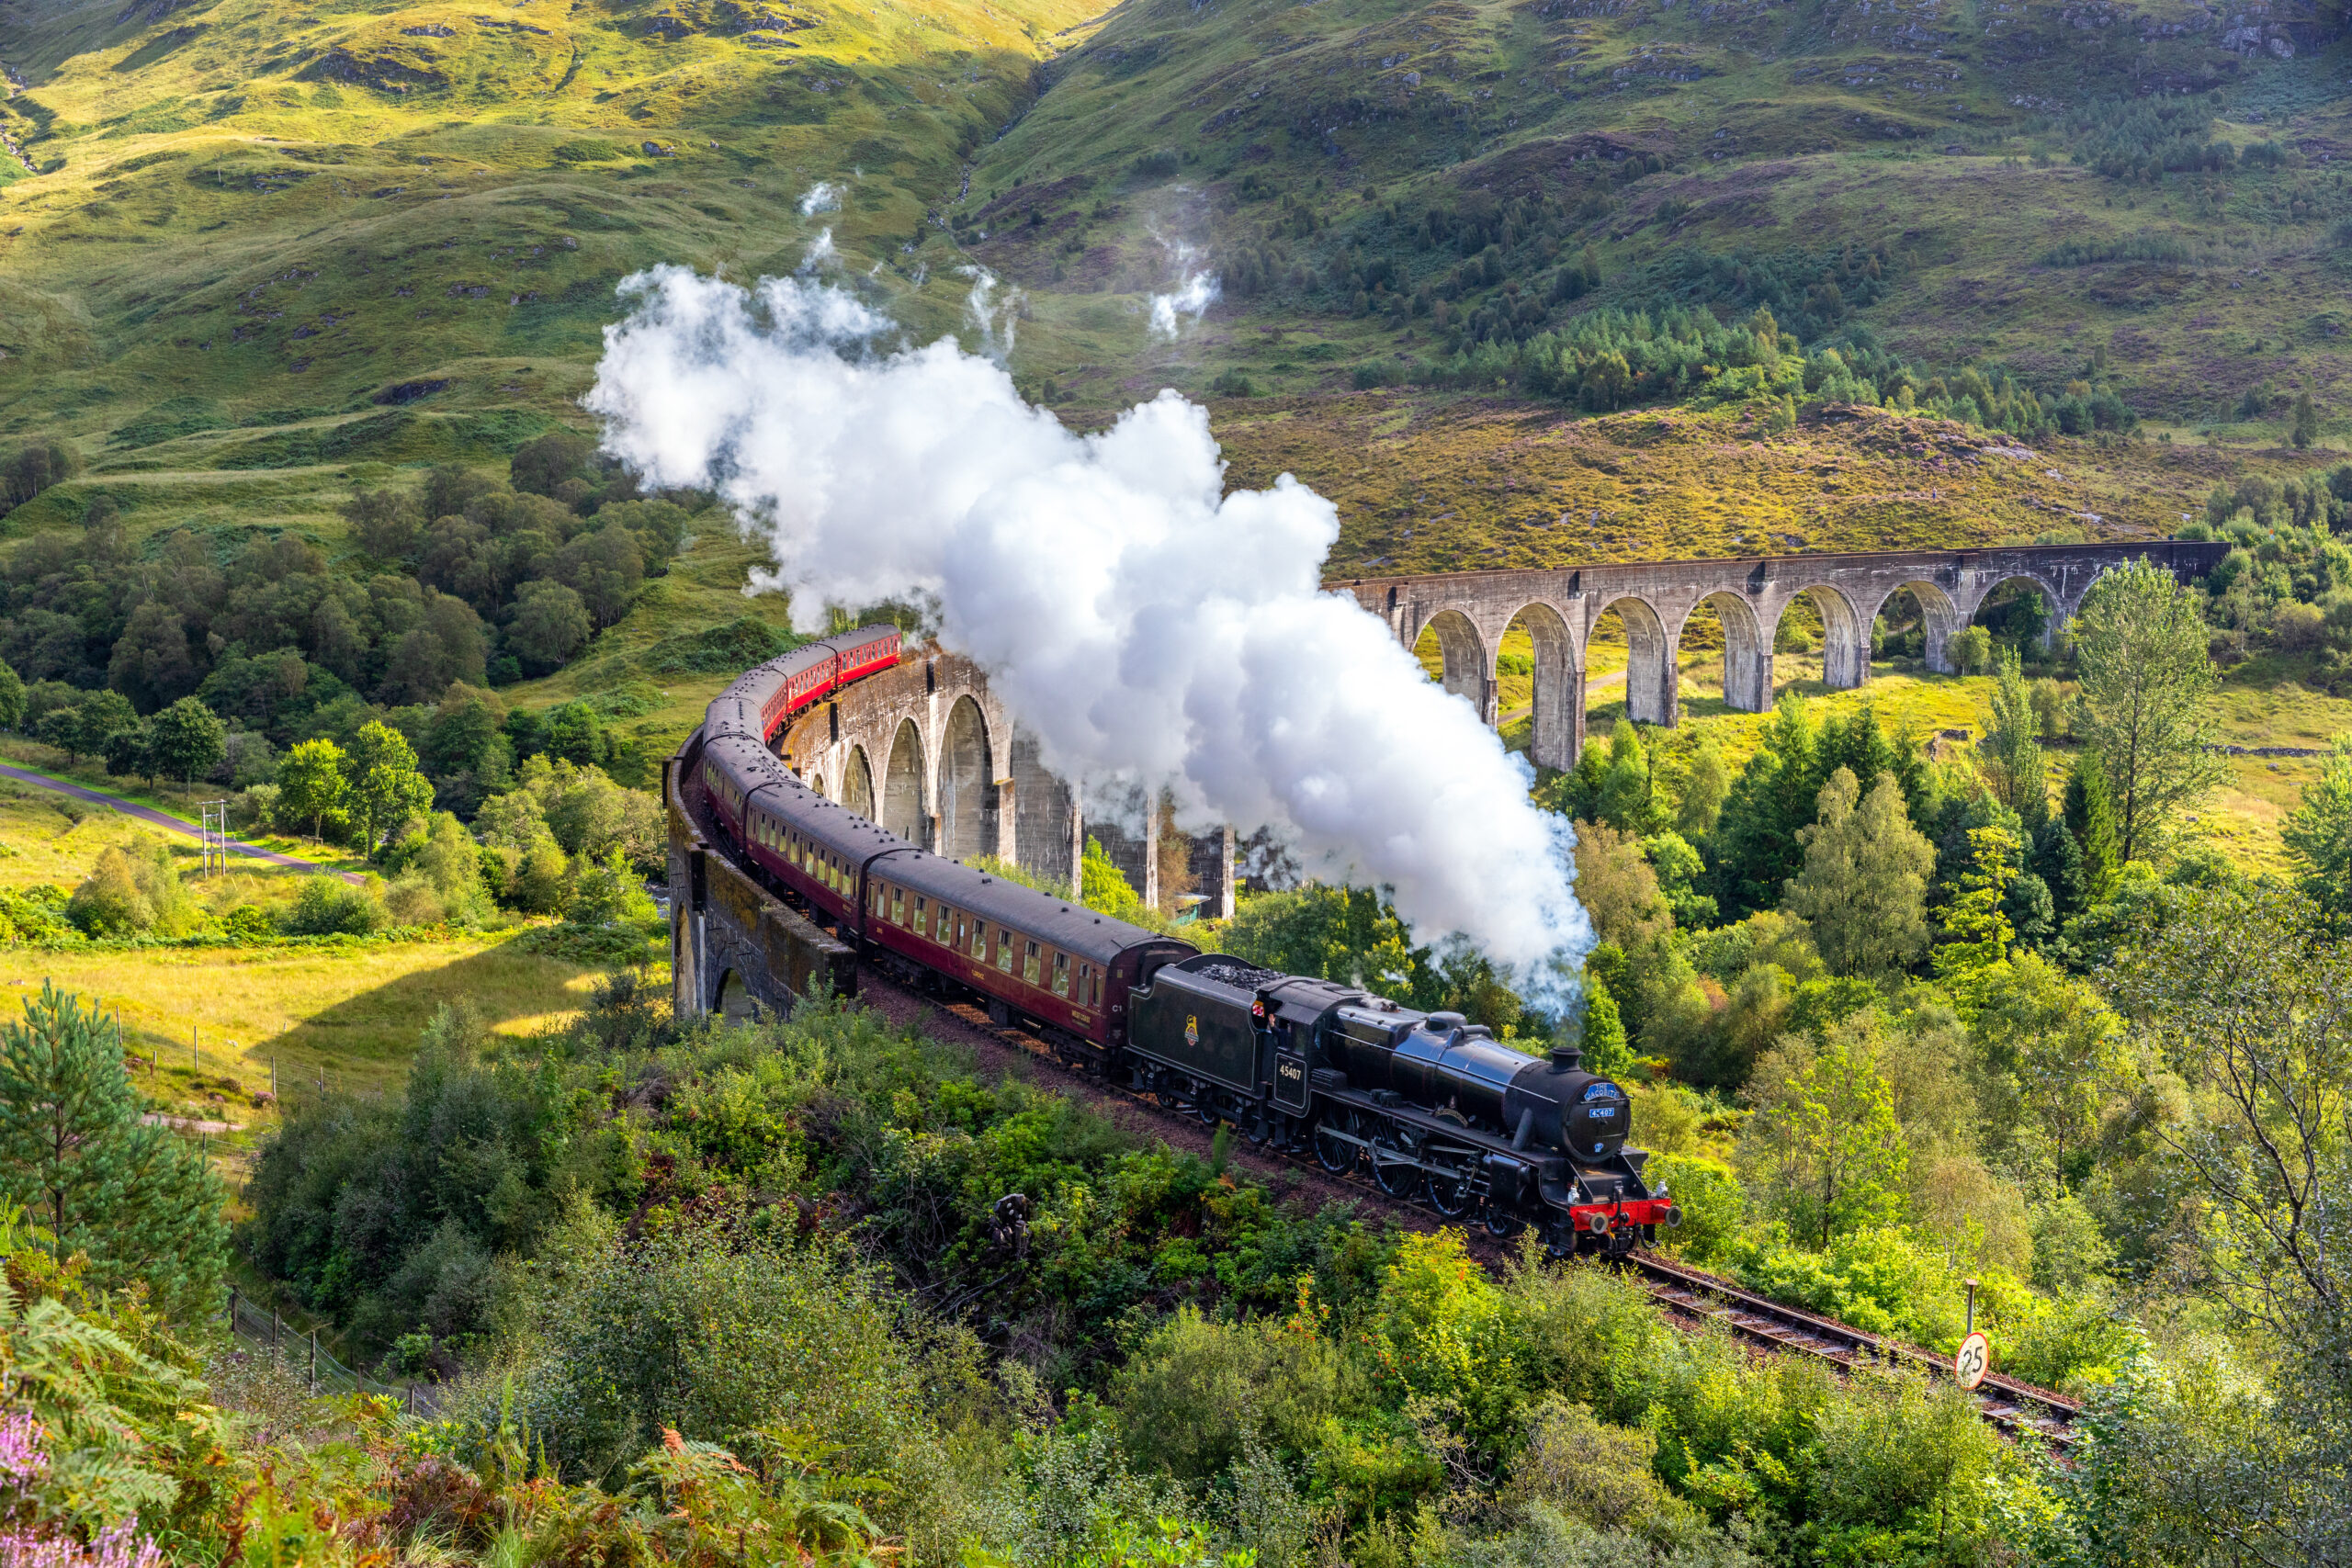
(1605, 1049)
(2013, 746)
(1624, 801)
(137, 1198)
(2090, 819)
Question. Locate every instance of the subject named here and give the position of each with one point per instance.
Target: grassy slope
(352, 1014)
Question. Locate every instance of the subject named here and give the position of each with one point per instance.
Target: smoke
(822, 253)
(1150, 630)
(997, 320)
(1197, 290)
(823, 197)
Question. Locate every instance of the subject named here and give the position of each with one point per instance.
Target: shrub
(108, 902)
(328, 906)
(1713, 1204)
(1194, 1392)
(412, 900)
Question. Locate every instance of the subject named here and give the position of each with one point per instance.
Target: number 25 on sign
(1973, 1360)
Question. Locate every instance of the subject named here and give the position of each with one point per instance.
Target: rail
(2010, 1403)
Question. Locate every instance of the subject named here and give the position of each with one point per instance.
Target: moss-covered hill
(253, 253)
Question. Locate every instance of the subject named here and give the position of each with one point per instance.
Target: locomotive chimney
(1567, 1058)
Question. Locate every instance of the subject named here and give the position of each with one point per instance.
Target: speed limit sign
(1974, 1360)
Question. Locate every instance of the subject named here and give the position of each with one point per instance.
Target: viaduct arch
(935, 759)
(1469, 613)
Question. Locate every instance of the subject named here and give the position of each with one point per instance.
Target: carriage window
(898, 905)
(922, 916)
(1061, 973)
(958, 943)
(1004, 950)
(1029, 964)
(979, 948)
(881, 901)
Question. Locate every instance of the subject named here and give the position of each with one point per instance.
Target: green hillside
(258, 255)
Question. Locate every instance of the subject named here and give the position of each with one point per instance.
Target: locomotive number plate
(1290, 1081)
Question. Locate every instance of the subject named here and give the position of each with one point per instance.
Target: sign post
(1974, 1357)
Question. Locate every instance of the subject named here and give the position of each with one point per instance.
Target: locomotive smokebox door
(1290, 1080)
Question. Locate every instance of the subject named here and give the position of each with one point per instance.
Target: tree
(1602, 1040)
(1825, 1133)
(387, 789)
(1624, 801)
(1618, 887)
(550, 624)
(2318, 833)
(2063, 1048)
(136, 1197)
(540, 465)
(2090, 822)
(312, 782)
(12, 697)
(1864, 887)
(1702, 792)
(96, 719)
(1969, 650)
(131, 751)
(188, 738)
(2147, 683)
(2012, 746)
(1978, 922)
(2244, 996)
(2306, 421)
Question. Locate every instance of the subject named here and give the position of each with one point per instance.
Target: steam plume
(1195, 291)
(1147, 627)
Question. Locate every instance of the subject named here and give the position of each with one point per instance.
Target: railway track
(1692, 1296)
(1696, 1296)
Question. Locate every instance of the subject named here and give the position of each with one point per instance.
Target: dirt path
(1611, 678)
(153, 818)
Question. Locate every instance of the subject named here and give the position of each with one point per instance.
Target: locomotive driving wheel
(1333, 1153)
(1394, 1169)
(1500, 1222)
(1449, 1193)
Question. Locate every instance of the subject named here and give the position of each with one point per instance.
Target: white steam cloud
(1147, 629)
(1196, 292)
(823, 197)
(997, 319)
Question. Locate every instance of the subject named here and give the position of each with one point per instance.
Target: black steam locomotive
(1431, 1107)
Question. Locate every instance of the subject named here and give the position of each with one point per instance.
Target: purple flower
(22, 1458)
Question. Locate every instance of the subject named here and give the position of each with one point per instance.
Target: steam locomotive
(1431, 1107)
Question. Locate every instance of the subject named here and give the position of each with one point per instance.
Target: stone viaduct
(928, 754)
(1559, 607)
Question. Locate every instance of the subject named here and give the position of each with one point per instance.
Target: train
(1433, 1108)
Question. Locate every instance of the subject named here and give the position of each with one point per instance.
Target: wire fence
(257, 1325)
